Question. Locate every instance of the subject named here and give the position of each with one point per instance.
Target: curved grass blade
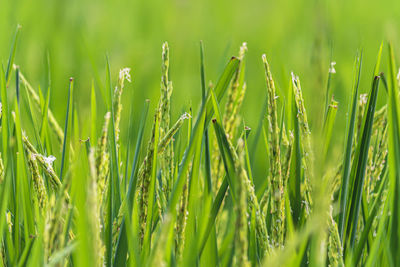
(394, 159)
(4, 116)
(227, 159)
(222, 85)
(361, 158)
(368, 224)
(207, 157)
(211, 250)
(12, 55)
(122, 243)
(113, 197)
(213, 213)
(17, 83)
(22, 187)
(4, 198)
(343, 200)
(45, 111)
(68, 119)
(93, 113)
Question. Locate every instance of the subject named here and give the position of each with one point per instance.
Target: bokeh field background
(300, 36)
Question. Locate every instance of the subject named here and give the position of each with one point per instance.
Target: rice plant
(184, 193)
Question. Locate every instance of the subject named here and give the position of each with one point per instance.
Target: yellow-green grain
(167, 158)
(44, 163)
(37, 179)
(277, 198)
(102, 159)
(305, 133)
(117, 103)
(145, 176)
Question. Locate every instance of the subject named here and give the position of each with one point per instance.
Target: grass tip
(264, 58)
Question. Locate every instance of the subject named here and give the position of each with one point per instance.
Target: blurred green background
(298, 35)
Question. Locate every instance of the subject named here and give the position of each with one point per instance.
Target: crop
(185, 194)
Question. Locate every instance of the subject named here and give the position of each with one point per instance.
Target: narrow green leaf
(45, 111)
(122, 243)
(93, 113)
(368, 224)
(344, 198)
(12, 54)
(394, 158)
(68, 119)
(23, 193)
(362, 154)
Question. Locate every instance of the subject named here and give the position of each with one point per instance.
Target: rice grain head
(306, 140)
(277, 198)
(37, 179)
(145, 177)
(102, 159)
(45, 163)
(167, 158)
(124, 74)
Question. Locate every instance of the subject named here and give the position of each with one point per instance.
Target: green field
(208, 133)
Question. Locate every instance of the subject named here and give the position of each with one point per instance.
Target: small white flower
(264, 57)
(107, 116)
(49, 160)
(185, 116)
(332, 67)
(243, 49)
(363, 99)
(294, 78)
(124, 74)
